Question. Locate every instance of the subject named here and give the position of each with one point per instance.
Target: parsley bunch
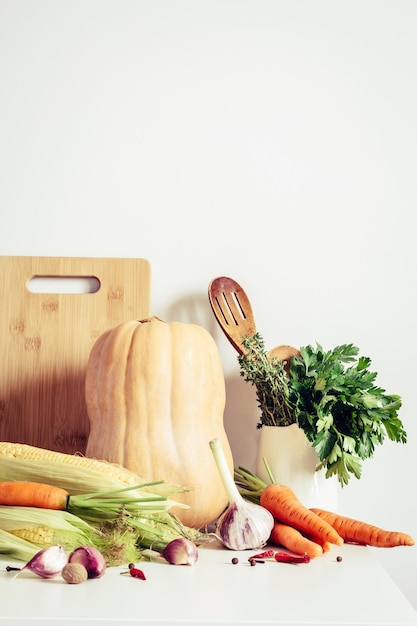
(332, 396)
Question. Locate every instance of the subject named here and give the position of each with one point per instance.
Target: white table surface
(356, 591)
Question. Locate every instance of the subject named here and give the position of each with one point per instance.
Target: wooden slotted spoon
(233, 311)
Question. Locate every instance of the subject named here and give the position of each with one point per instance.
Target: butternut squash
(155, 394)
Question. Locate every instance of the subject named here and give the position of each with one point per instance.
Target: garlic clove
(47, 563)
(180, 551)
(91, 558)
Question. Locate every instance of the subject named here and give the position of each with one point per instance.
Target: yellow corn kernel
(45, 536)
(41, 535)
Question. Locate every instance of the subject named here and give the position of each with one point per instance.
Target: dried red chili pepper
(284, 557)
(262, 555)
(135, 572)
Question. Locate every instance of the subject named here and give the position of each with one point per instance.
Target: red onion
(91, 558)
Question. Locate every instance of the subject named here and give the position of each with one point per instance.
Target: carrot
(26, 493)
(284, 505)
(292, 539)
(356, 531)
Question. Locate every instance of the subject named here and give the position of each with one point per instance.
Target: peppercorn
(235, 560)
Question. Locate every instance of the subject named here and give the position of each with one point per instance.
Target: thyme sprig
(270, 380)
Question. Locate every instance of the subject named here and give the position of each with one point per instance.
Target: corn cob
(45, 537)
(41, 535)
(34, 528)
(46, 527)
(14, 517)
(112, 471)
(78, 474)
(16, 547)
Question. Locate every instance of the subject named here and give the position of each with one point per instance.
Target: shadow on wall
(241, 411)
(194, 309)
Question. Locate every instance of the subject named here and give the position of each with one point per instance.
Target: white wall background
(271, 141)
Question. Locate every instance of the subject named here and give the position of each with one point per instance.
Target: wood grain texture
(46, 338)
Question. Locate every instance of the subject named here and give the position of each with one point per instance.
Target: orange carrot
(26, 493)
(355, 531)
(292, 539)
(327, 546)
(284, 505)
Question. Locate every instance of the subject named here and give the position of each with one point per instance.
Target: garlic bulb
(244, 525)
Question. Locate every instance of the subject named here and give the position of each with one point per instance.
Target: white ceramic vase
(293, 462)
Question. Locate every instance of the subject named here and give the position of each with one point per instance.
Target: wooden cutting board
(46, 338)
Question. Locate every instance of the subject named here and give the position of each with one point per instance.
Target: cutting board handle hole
(63, 284)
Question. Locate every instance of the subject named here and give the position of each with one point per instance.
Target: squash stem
(229, 484)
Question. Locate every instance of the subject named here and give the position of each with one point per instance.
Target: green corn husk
(94, 507)
(45, 528)
(145, 531)
(16, 547)
(156, 531)
(117, 539)
(15, 517)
